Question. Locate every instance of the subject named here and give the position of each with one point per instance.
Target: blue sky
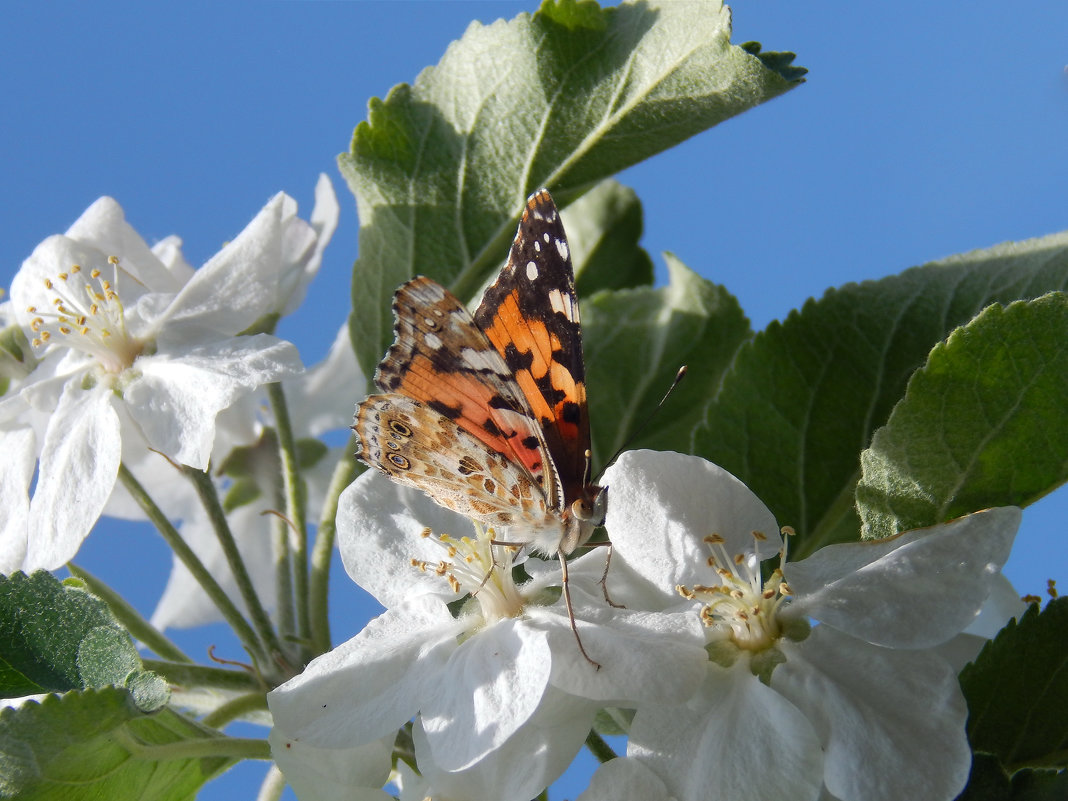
(924, 130)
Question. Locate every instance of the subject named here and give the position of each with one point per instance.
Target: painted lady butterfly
(487, 414)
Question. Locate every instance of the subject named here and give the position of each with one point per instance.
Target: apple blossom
(504, 676)
(136, 350)
(860, 706)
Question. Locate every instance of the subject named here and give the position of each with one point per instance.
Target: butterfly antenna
(648, 419)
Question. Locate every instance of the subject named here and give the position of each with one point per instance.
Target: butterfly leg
(493, 563)
(571, 611)
(604, 579)
(604, 576)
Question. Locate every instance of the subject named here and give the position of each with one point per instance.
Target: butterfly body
(487, 413)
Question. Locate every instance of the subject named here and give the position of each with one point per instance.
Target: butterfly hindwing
(418, 447)
(531, 316)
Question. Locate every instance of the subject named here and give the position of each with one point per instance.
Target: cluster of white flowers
(824, 678)
(832, 677)
(136, 357)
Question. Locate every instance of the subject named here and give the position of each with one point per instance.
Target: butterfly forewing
(531, 316)
(441, 358)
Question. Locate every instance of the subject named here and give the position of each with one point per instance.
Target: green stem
(599, 748)
(295, 511)
(283, 576)
(346, 470)
(139, 628)
(209, 497)
(233, 747)
(184, 674)
(192, 562)
(273, 785)
(234, 709)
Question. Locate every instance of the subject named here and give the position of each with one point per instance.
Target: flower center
(478, 567)
(742, 607)
(87, 315)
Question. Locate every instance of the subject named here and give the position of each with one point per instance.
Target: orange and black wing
(531, 316)
(441, 359)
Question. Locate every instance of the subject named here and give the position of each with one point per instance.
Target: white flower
(625, 780)
(136, 350)
(860, 706)
(505, 676)
(323, 774)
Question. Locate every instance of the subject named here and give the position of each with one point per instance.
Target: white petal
(324, 218)
(738, 739)
(328, 774)
(625, 779)
(662, 505)
(19, 447)
(103, 226)
(370, 685)
(251, 277)
(493, 683)
(892, 721)
(379, 525)
(177, 397)
(645, 657)
(1002, 604)
(169, 251)
(321, 398)
(78, 467)
(912, 591)
(521, 768)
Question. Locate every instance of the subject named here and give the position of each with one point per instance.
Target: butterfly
(487, 413)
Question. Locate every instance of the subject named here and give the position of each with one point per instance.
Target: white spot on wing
(484, 360)
(432, 341)
(532, 271)
(561, 303)
(562, 248)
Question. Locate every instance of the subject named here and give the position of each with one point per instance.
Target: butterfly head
(583, 516)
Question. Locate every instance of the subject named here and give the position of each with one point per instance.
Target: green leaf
(987, 781)
(96, 744)
(603, 228)
(982, 424)
(16, 356)
(636, 340)
(55, 638)
(803, 399)
(1040, 785)
(780, 62)
(1017, 691)
(563, 98)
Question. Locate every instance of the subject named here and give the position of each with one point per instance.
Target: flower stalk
(193, 564)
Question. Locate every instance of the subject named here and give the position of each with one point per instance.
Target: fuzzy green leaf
(562, 98)
(1017, 691)
(1040, 785)
(982, 424)
(603, 228)
(636, 340)
(55, 638)
(802, 401)
(97, 744)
